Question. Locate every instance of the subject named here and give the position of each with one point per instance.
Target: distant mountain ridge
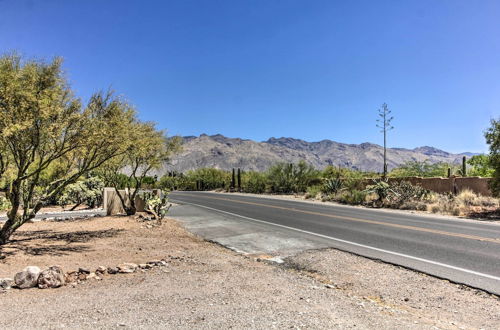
(225, 153)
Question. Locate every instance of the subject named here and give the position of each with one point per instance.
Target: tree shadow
(53, 243)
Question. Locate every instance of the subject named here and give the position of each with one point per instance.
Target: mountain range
(226, 153)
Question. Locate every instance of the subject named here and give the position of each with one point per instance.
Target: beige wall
(112, 204)
(448, 185)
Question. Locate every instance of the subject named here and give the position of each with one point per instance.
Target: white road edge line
(354, 243)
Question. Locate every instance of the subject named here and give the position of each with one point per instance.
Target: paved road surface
(459, 250)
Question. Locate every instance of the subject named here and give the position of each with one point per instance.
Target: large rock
(28, 278)
(127, 267)
(6, 283)
(51, 278)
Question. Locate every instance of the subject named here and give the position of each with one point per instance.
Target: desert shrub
(413, 205)
(446, 204)
(467, 198)
(209, 178)
(253, 182)
(292, 178)
(353, 197)
(422, 169)
(88, 192)
(381, 188)
(4, 203)
(402, 192)
(313, 191)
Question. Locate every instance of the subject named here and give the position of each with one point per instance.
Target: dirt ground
(207, 286)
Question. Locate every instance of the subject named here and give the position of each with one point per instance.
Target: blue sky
(259, 68)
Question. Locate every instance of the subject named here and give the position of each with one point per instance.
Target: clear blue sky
(260, 68)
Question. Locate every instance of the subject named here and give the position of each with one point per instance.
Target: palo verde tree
(42, 123)
(384, 123)
(493, 139)
(148, 149)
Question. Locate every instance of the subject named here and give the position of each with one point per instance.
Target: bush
(209, 178)
(292, 178)
(353, 197)
(253, 182)
(88, 192)
(313, 191)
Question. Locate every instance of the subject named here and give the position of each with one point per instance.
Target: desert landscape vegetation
(109, 220)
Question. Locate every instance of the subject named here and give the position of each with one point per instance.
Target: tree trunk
(9, 227)
(131, 210)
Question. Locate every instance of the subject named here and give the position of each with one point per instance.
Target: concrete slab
(243, 236)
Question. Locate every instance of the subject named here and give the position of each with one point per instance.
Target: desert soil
(207, 286)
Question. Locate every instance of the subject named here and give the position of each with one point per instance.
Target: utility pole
(384, 123)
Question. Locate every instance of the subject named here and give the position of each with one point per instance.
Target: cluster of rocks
(71, 217)
(55, 277)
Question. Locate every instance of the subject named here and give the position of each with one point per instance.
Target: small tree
(493, 139)
(481, 166)
(148, 149)
(384, 123)
(41, 123)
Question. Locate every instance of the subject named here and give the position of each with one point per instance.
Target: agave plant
(333, 185)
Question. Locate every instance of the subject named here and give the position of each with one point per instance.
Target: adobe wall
(112, 204)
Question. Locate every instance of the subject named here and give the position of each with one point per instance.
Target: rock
(6, 283)
(71, 277)
(82, 277)
(101, 270)
(112, 270)
(154, 262)
(127, 267)
(91, 276)
(144, 266)
(51, 278)
(84, 270)
(28, 278)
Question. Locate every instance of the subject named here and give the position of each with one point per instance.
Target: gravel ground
(207, 286)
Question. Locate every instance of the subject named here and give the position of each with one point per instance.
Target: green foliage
(480, 166)
(402, 192)
(147, 149)
(158, 206)
(493, 139)
(292, 178)
(380, 187)
(48, 139)
(332, 185)
(211, 178)
(421, 169)
(253, 182)
(88, 192)
(313, 191)
(4, 203)
(353, 197)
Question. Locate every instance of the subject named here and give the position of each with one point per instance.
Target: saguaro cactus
(464, 166)
(239, 179)
(233, 179)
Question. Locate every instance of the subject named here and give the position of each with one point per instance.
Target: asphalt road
(463, 251)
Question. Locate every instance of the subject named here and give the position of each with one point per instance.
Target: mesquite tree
(42, 123)
(149, 149)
